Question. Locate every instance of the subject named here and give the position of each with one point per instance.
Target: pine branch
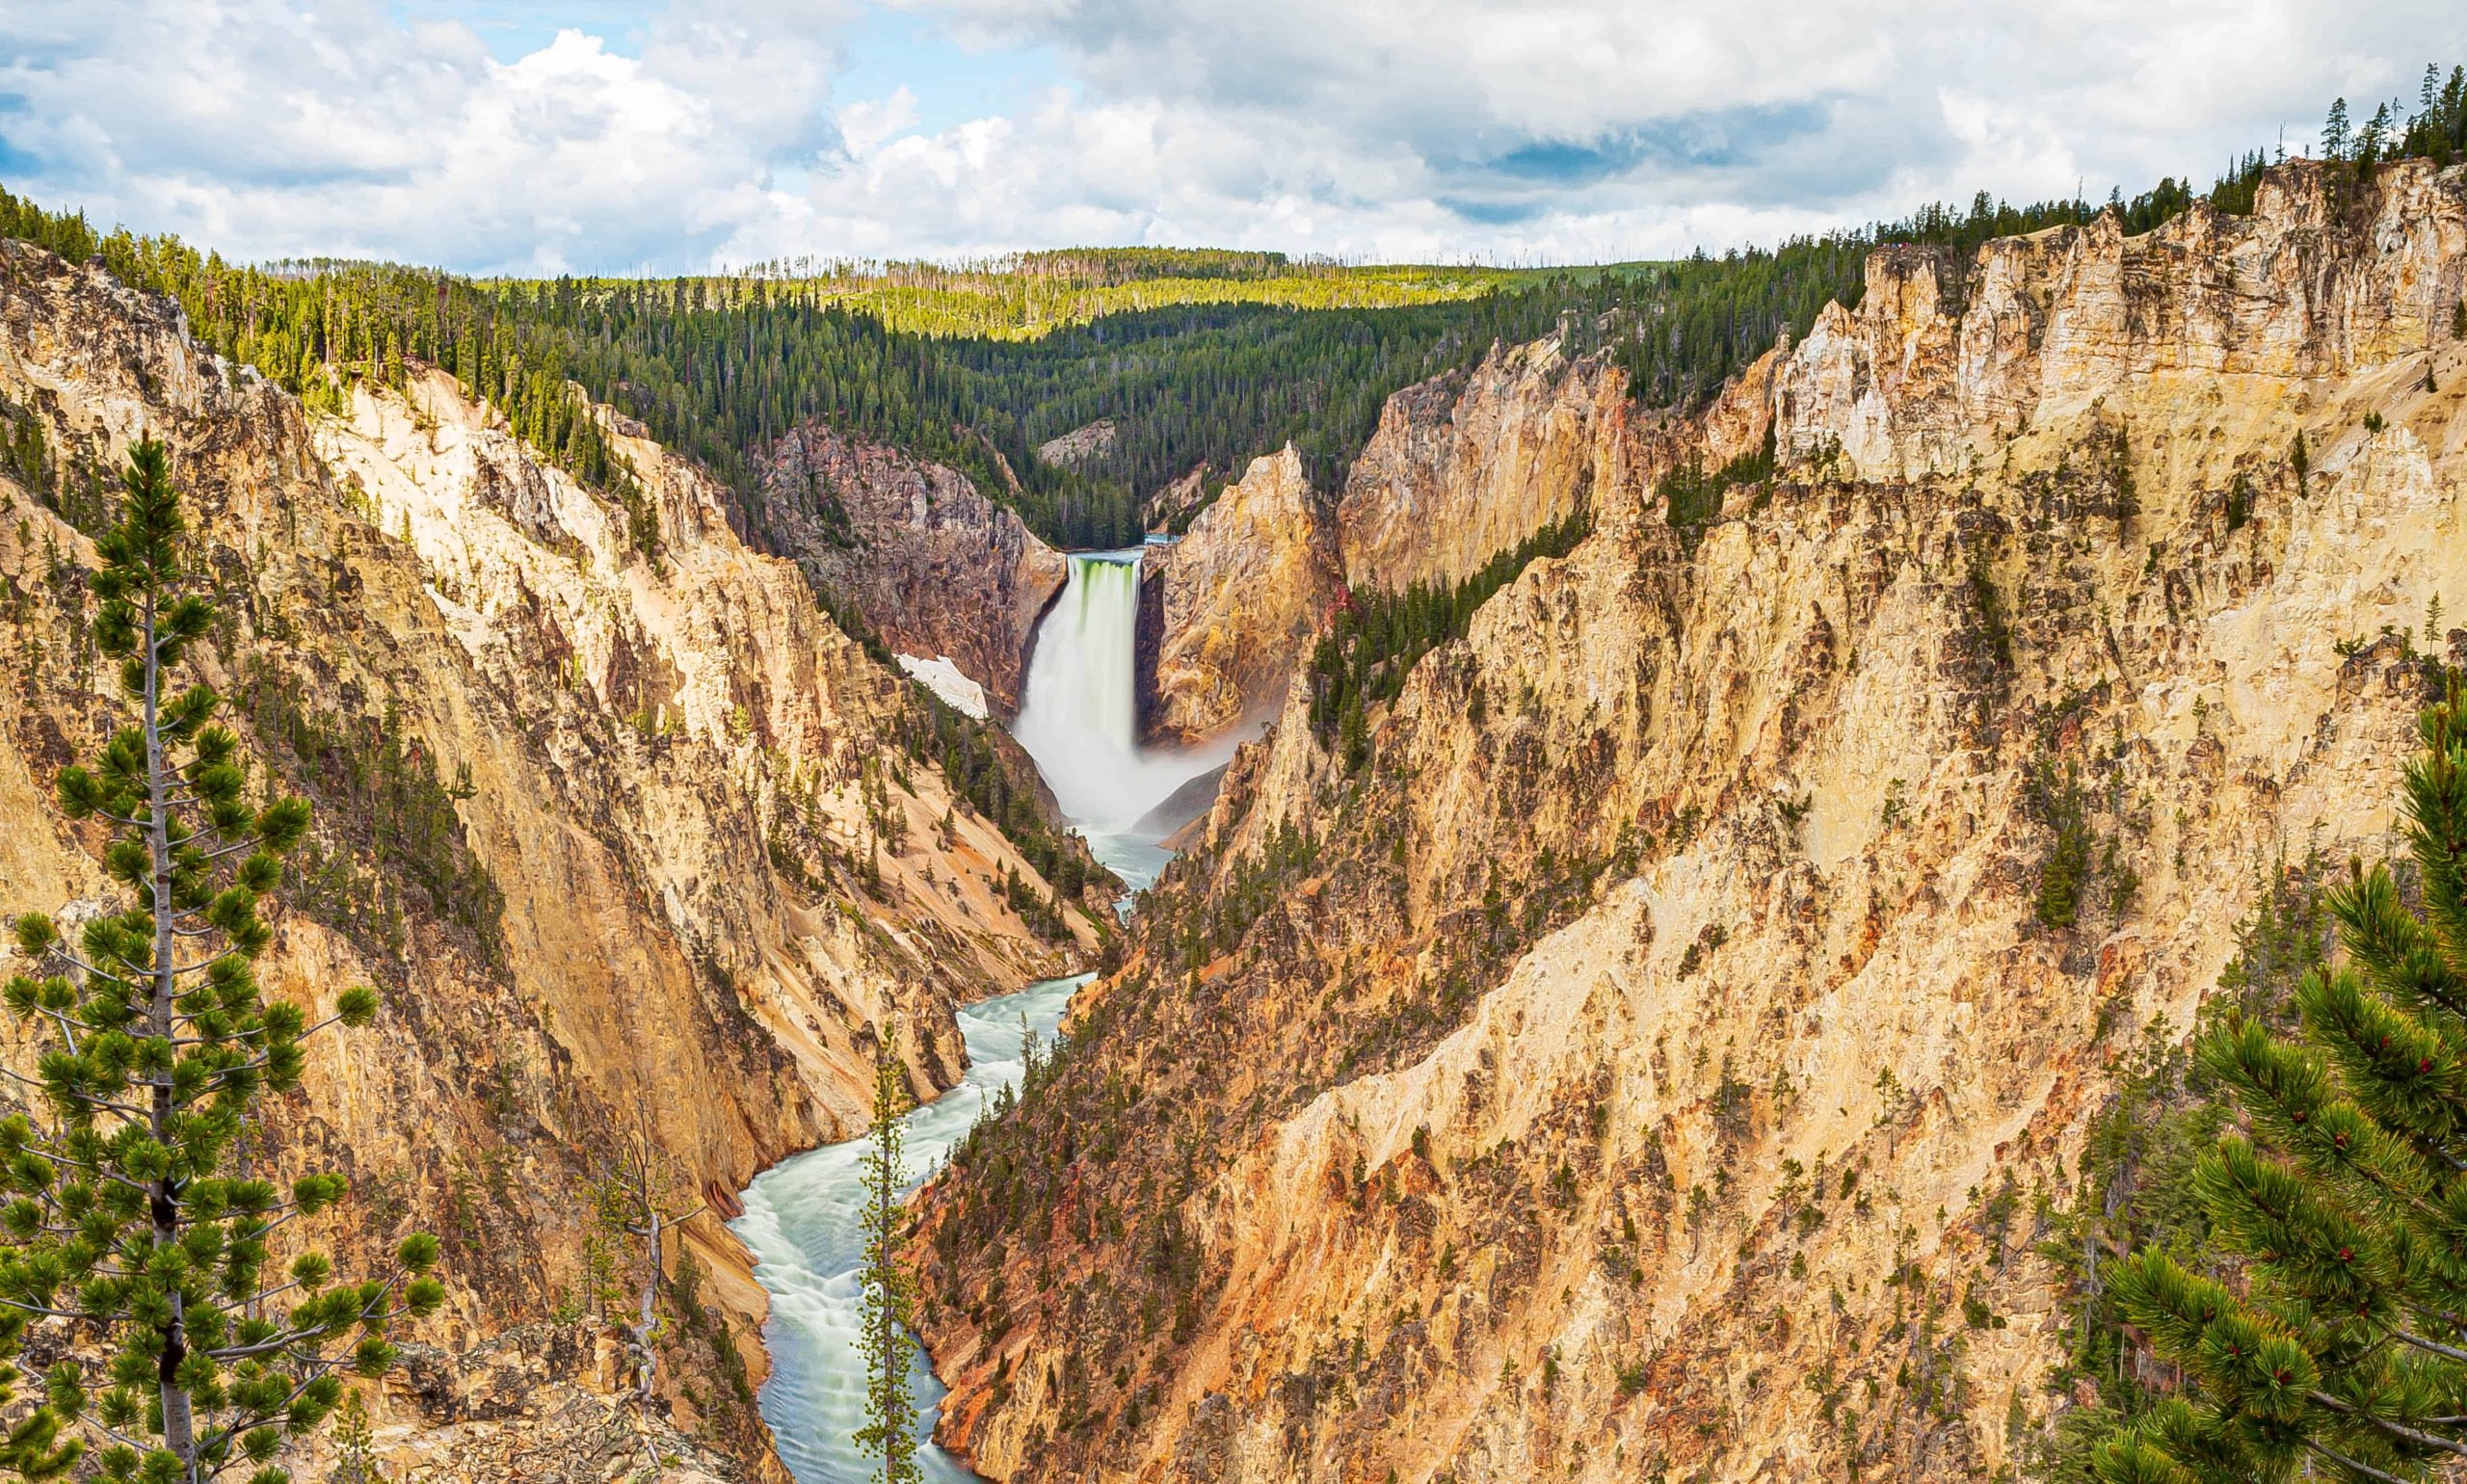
(113, 1433)
(2345, 1461)
(199, 966)
(47, 1312)
(225, 1435)
(2428, 1346)
(85, 1168)
(375, 1312)
(74, 962)
(2398, 1430)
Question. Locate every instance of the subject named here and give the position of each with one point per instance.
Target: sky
(496, 137)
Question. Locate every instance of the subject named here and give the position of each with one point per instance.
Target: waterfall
(1079, 717)
(1079, 720)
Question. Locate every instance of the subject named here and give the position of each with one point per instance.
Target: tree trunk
(645, 1362)
(179, 1433)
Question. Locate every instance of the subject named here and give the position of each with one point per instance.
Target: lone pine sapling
(890, 1433)
(129, 1217)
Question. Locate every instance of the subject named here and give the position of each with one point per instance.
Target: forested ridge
(1021, 296)
(1200, 358)
(720, 367)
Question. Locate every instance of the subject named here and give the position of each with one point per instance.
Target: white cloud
(864, 125)
(261, 130)
(1562, 129)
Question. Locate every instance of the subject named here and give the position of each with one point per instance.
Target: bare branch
(23, 1306)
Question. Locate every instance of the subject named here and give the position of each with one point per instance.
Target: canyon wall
(1462, 467)
(611, 815)
(1657, 1058)
(937, 569)
(1236, 601)
(1943, 363)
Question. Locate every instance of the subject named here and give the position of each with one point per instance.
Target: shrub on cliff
(2059, 801)
(131, 1212)
(2335, 1338)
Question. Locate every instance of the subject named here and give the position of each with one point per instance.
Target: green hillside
(1200, 357)
(1026, 295)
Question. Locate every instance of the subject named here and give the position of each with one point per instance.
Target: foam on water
(804, 1222)
(804, 1217)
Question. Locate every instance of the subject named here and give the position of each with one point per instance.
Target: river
(1079, 718)
(804, 1222)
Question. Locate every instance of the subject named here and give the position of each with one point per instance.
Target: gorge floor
(802, 1217)
(804, 1221)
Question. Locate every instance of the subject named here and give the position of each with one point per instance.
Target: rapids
(1079, 718)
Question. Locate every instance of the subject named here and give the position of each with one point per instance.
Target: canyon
(1651, 1058)
(682, 846)
(1647, 1051)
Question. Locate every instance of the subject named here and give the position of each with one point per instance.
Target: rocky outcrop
(1080, 444)
(1648, 1061)
(937, 570)
(1464, 467)
(1238, 598)
(538, 1402)
(1944, 361)
(609, 830)
(1177, 504)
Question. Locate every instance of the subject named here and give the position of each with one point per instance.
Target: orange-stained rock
(1239, 598)
(1637, 1094)
(1464, 467)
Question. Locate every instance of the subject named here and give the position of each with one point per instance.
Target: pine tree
(131, 1209)
(2343, 1349)
(356, 1444)
(2334, 132)
(890, 1409)
(1353, 735)
(2369, 141)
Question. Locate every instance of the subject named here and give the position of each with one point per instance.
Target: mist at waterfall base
(1079, 718)
(804, 1223)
